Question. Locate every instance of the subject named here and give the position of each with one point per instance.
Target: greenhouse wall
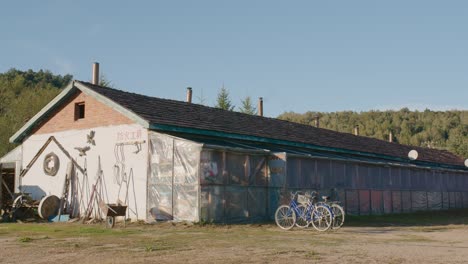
(173, 180)
(366, 189)
(234, 186)
(196, 182)
(249, 187)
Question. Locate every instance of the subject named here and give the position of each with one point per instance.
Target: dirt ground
(262, 243)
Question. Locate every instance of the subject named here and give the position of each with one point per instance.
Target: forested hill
(22, 95)
(434, 129)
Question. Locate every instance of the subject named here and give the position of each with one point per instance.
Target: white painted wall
(39, 184)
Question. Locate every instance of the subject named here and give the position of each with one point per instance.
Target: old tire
(51, 164)
(110, 222)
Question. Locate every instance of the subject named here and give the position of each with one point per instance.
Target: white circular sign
(413, 155)
(466, 162)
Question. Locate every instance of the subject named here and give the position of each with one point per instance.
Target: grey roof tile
(189, 115)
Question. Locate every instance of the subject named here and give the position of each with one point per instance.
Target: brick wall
(97, 114)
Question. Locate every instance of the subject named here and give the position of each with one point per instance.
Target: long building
(174, 160)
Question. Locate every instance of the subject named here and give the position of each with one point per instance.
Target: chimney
(356, 130)
(189, 95)
(317, 120)
(390, 137)
(260, 106)
(95, 79)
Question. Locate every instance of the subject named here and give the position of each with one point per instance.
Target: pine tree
(103, 81)
(247, 107)
(223, 101)
(202, 99)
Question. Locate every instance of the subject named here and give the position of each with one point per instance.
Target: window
(79, 110)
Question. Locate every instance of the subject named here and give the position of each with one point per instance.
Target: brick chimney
(317, 120)
(189, 95)
(260, 106)
(95, 77)
(356, 130)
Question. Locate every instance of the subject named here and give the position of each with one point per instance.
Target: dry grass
(259, 243)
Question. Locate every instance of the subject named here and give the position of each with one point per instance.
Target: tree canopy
(22, 95)
(432, 129)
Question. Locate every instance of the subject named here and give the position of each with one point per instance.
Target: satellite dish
(413, 155)
(466, 162)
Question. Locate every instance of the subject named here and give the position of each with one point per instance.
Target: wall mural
(86, 196)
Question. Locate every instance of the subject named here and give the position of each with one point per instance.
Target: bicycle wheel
(338, 216)
(321, 218)
(285, 217)
(301, 218)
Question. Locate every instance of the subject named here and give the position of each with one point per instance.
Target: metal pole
(172, 187)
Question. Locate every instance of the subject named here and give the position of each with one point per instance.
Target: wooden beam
(50, 139)
(8, 189)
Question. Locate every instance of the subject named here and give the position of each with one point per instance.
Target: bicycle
(286, 216)
(337, 211)
(320, 216)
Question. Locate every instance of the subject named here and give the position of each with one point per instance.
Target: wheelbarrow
(111, 211)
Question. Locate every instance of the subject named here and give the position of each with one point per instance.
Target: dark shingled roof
(186, 115)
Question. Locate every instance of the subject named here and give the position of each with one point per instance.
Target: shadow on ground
(423, 218)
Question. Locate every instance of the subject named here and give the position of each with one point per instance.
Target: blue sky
(298, 55)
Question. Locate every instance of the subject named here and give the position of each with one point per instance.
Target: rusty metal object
(48, 206)
(113, 211)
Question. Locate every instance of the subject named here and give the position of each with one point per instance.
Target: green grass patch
(24, 239)
(64, 230)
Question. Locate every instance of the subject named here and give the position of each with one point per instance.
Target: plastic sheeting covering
(465, 200)
(352, 202)
(365, 202)
(445, 200)
(452, 198)
(387, 202)
(173, 180)
(377, 202)
(458, 200)
(418, 201)
(189, 182)
(434, 200)
(234, 186)
(396, 202)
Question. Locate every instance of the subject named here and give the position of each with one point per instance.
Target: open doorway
(7, 185)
